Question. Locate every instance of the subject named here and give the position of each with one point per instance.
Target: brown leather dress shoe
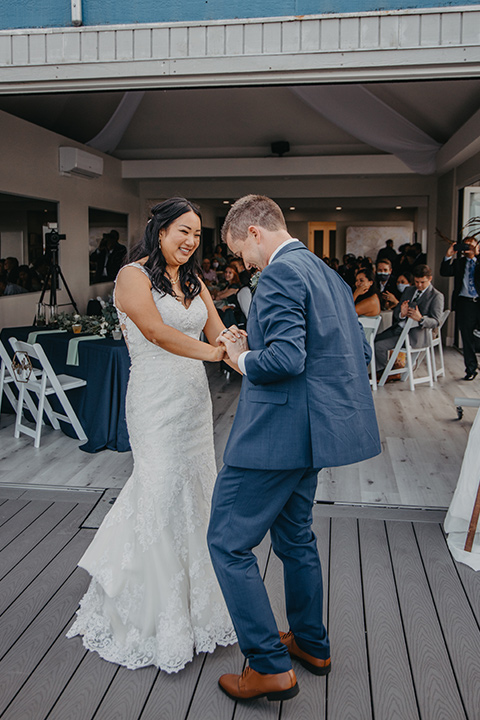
(309, 662)
(251, 684)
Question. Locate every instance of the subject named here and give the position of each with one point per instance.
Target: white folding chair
(370, 328)
(244, 297)
(44, 384)
(7, 379)
(414, 357)
(436, 341)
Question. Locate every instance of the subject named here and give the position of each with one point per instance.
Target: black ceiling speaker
(280, 147)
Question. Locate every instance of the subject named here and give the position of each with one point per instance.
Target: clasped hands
(234, 341)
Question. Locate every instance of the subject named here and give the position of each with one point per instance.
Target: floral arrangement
(103, 324)
(254, 280)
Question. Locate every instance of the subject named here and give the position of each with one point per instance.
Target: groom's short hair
(252, 210)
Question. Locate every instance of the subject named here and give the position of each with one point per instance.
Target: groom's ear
(254, 231)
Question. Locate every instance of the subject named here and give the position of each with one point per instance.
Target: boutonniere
(254, 281)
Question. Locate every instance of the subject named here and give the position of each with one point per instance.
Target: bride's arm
(133, 296)
(214, 325)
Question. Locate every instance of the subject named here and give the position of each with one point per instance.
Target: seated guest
(11, 269)
(365, 294)
(8, 288)
(347, 270)
(243, 273)
(218, 260)
(335, 264)
(423, 303)
(225, 300)
(404, 280)
(386, 282)
(24, 277)
(232, 285)
(208, 273)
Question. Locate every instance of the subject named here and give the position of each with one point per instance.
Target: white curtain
(460, 510)
(354, 109)
(108, 138)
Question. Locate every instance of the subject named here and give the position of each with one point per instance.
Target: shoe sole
(280, 695)
(320, 671)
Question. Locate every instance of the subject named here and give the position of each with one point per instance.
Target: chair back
(370, 326)
(36, 352)
(244, 298)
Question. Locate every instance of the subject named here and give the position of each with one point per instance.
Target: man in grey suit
(421, 302)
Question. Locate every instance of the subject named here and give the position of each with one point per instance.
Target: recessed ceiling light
(398, 207)
(226, 202)
(339, 207)
(292, 208)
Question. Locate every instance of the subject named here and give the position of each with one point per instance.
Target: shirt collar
(277, 250)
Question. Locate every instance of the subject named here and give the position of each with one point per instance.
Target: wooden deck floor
(423, 445)
(403, 618)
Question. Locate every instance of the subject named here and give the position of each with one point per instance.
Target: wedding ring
(224, 331)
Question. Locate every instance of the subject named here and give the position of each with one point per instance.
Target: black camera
(52, 240)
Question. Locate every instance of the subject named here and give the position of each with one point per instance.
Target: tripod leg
(59, 271)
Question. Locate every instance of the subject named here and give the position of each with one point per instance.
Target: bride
(153, 598)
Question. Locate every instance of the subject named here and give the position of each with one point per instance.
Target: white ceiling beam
(463, 145)
(265, 167)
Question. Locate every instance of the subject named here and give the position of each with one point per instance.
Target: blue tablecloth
(100, 405)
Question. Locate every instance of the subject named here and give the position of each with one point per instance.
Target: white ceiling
(242, 122)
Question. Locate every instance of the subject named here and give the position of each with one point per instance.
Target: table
(100, 405)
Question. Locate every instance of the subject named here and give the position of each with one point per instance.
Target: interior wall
(30, 167)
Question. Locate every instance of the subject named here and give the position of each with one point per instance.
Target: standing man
(465, 268)
(305, 404)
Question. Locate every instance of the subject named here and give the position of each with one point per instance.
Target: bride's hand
(218, 353)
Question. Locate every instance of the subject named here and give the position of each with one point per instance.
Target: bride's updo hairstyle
(163, 215)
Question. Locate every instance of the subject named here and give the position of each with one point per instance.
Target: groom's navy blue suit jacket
(306, 399)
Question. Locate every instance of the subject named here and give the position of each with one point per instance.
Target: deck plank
(460, 628)
(311, 701)
(23, 613)
(31, 536)
(26, 571)
(348, 684)
(8, 509)
(86, 687)
(17, 523)
(30, 647)
(48, 679)
(209, 702)
(126, 695)
(393, 694)
(436, 688)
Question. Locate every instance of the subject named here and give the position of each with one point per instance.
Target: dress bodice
(190, 321)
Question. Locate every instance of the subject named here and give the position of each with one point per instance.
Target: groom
(305, 404)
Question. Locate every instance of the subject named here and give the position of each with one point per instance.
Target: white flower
(254, 280)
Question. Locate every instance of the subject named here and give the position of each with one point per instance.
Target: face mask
(215, 265)
(402, 286)
(383, 276)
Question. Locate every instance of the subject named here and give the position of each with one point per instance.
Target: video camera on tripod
(52, 242)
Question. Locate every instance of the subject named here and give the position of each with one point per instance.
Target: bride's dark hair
(163, 215)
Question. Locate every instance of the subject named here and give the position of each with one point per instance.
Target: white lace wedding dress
(154, 598)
